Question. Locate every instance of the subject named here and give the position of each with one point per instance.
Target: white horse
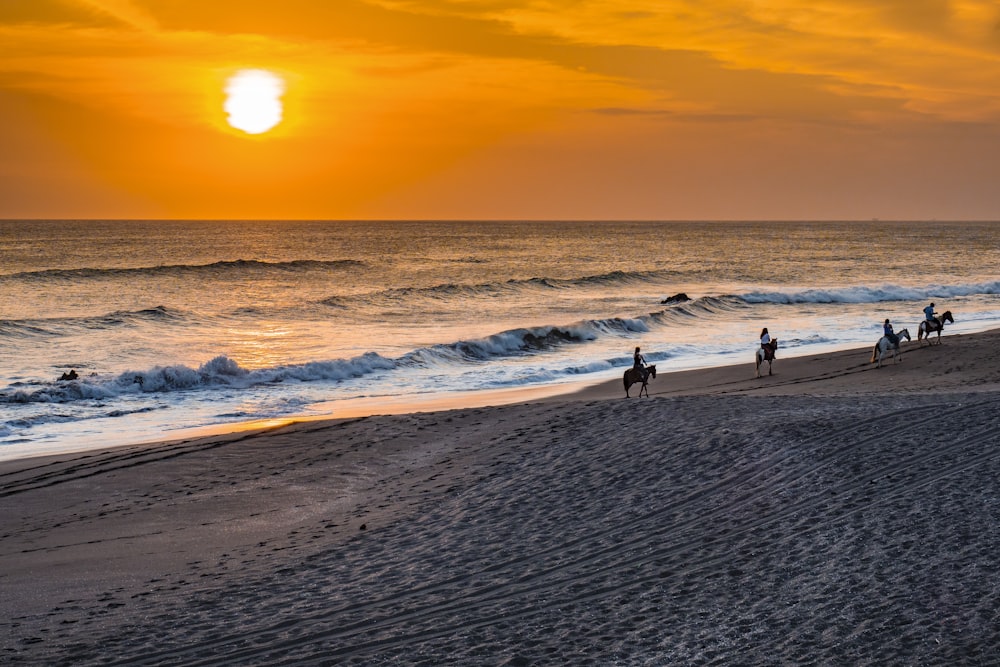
(766, 353)
(884, 347)
(927, 327)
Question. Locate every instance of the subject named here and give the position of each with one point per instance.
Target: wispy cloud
(125, 11)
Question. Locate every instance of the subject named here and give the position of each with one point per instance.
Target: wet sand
(830, 513)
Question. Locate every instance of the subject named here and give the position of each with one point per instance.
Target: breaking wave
(866, 294)
(223, 371)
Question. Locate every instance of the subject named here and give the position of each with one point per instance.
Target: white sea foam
(866, 294)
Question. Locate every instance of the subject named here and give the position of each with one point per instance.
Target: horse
(634, 375)
(927, 327)
(766, 353)
(884, 347)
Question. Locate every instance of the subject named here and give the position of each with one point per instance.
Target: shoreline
(825, 371)
(831, 512)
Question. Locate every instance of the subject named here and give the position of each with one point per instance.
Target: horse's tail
(874, 353)
(920, 331)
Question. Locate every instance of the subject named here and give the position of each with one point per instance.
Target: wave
(55, 326)
(224, 372)
(219, 372)
(9, 427)
(704, 305)
(866, 294)
(513, 286)
(201, 271)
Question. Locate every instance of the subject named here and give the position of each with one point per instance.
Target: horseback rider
(889, 333)
(767, 344)
(929, 314)
(639, 364)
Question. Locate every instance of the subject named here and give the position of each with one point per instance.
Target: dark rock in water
(680, 297)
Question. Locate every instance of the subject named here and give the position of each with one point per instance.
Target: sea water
(172, 325)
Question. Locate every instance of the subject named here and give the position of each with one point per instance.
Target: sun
(253, 100)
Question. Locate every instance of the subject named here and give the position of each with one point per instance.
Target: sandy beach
(829, 513)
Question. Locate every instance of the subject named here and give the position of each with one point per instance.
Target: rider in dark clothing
(639, 363)
(887, 330)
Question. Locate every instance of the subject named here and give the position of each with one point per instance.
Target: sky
(483, 109)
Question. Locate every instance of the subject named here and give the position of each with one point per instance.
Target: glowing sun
(253, 100)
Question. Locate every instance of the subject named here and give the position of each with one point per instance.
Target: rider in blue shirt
(929, 312)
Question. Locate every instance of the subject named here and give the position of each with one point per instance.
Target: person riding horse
(933, 323)
(768, 346)
(929, 314)
(765, 344)
(639, 364)
(888, 333)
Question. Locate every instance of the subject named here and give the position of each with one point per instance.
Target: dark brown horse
(634, 375)
(766, 353)
(927, 327)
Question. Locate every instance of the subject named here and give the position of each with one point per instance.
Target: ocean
(179, 325)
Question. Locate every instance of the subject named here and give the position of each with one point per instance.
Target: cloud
(125, 11)
(386, 92)
(50, 12)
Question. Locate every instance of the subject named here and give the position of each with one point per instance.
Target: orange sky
(653, 109)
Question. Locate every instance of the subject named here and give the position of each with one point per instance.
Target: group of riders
(887, 331)
(639, 362)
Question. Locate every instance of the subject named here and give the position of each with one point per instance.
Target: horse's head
(946, 317)
(652, 371)
(905, 333)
